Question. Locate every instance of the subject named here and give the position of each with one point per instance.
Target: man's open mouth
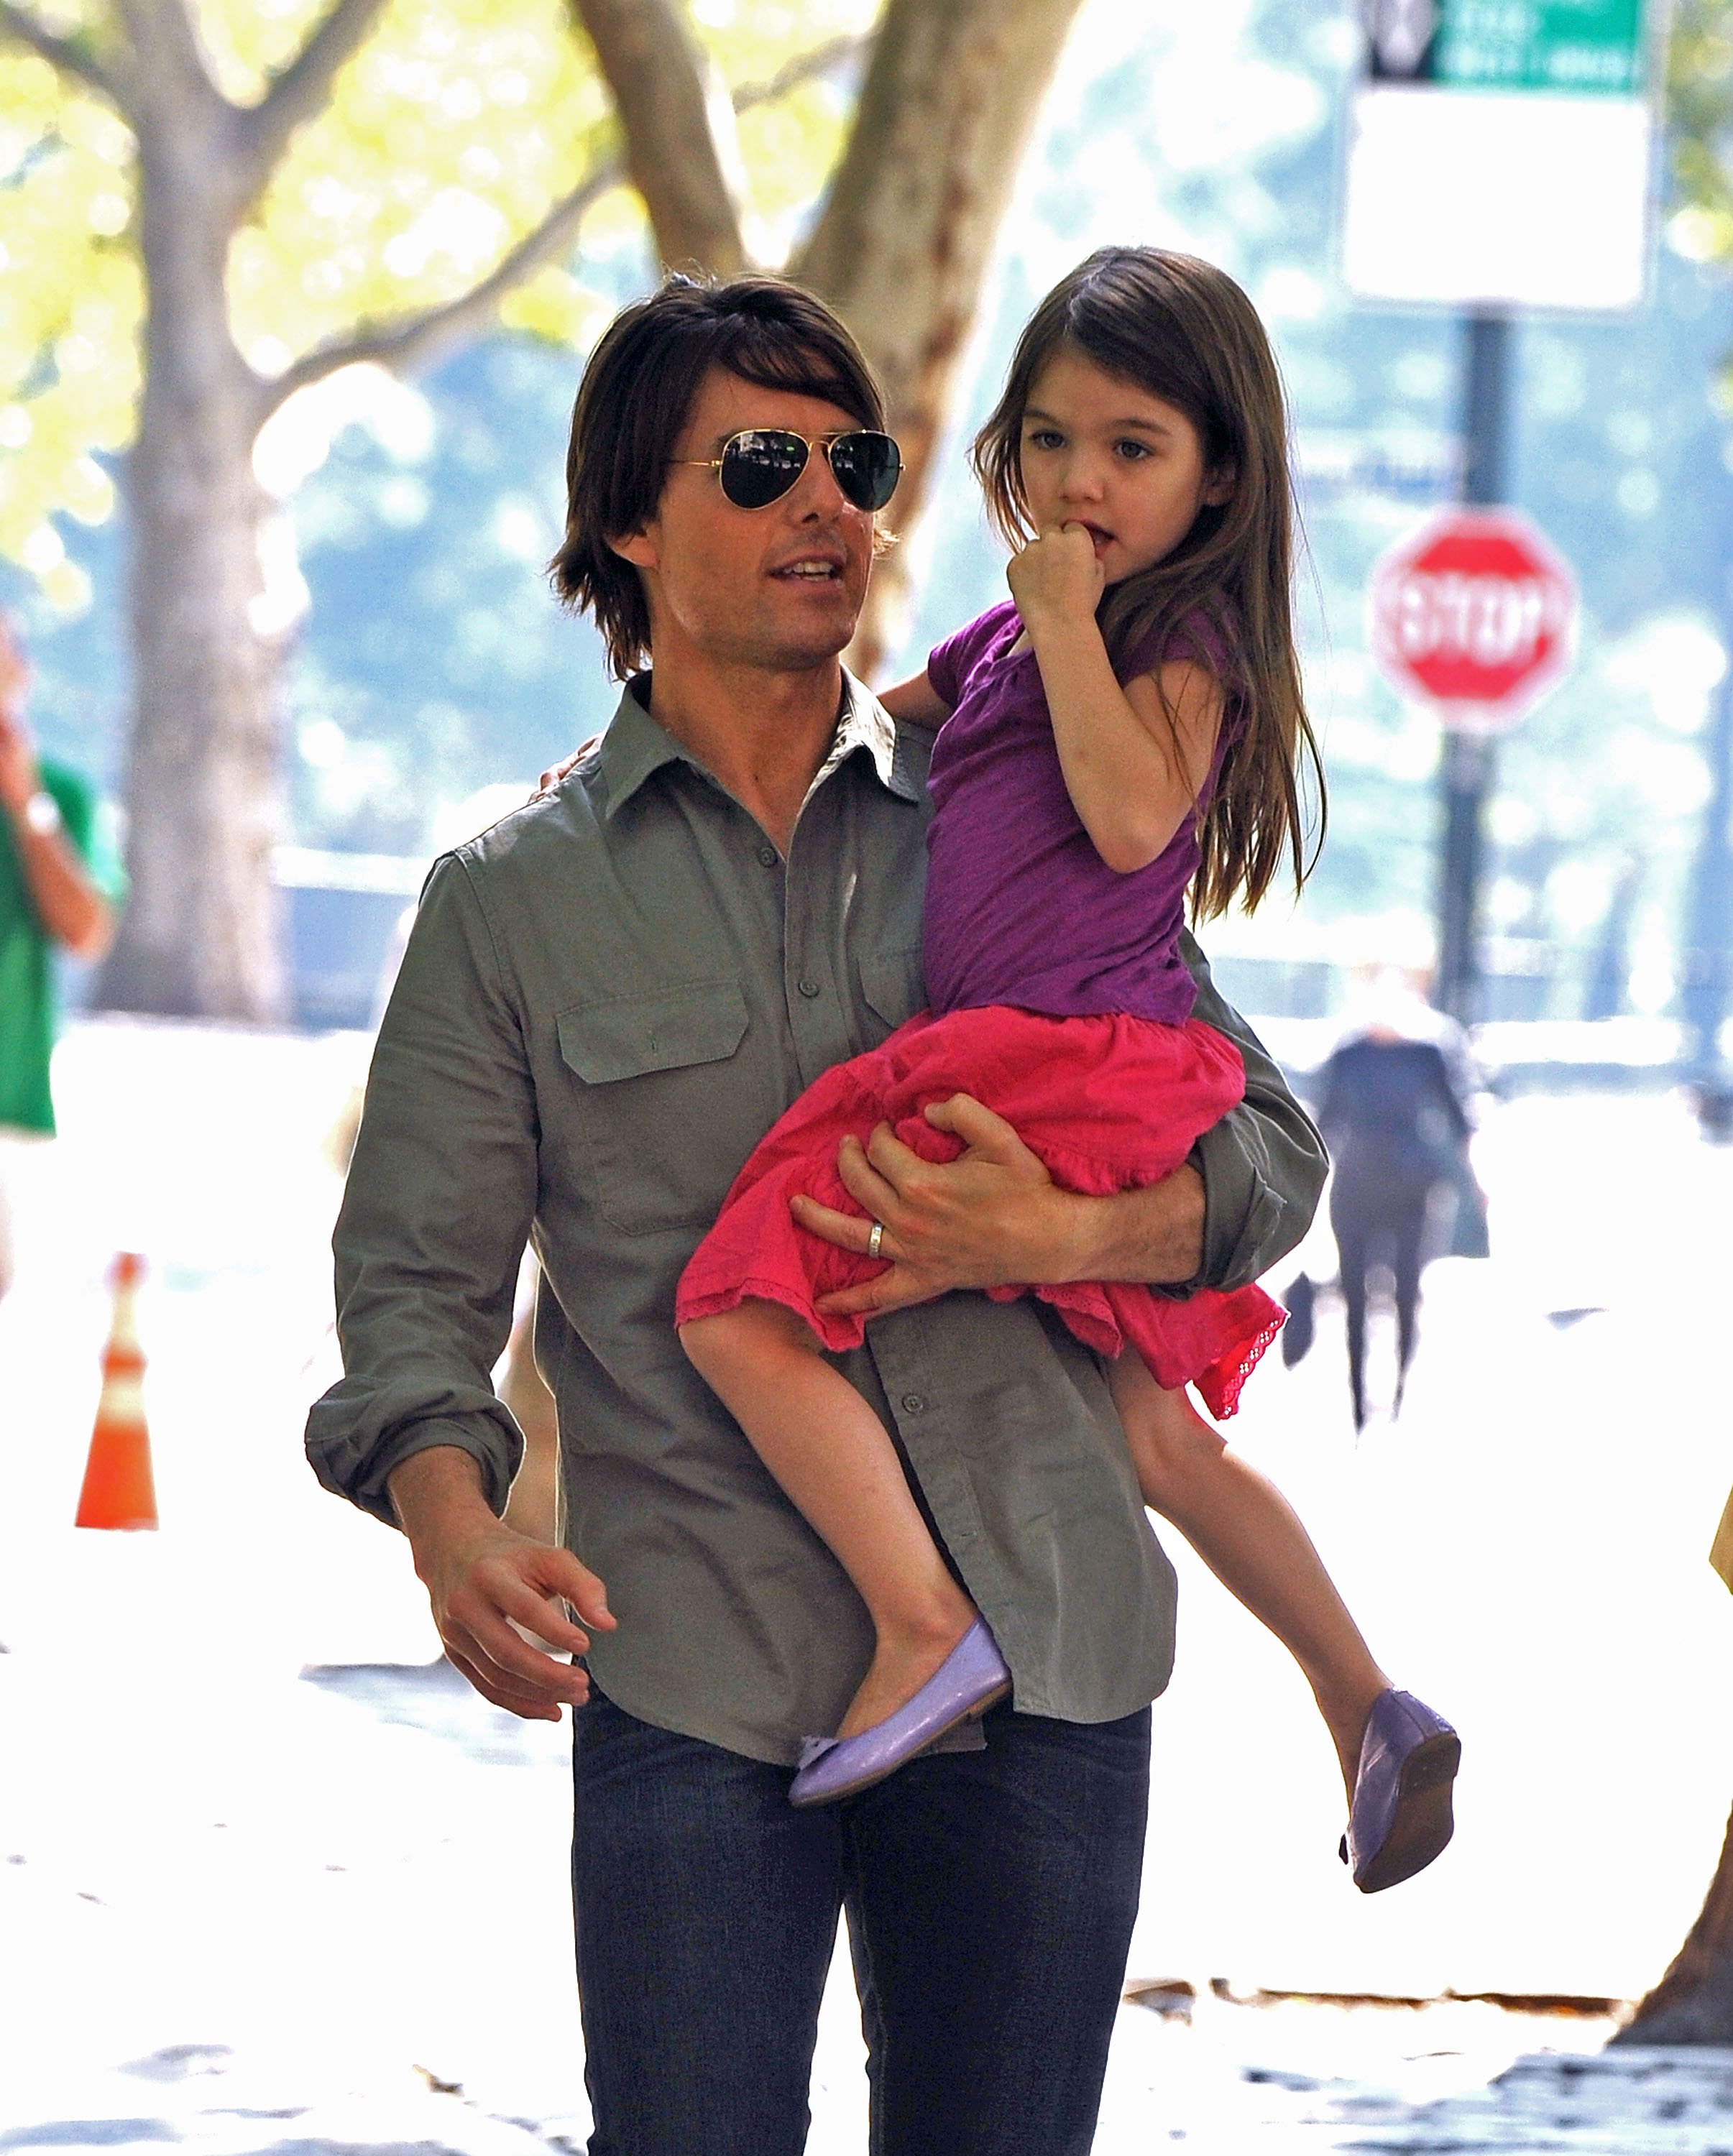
(811, 569)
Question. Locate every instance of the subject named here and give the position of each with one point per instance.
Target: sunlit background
(188, 1717)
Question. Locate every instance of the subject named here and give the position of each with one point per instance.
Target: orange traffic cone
(119, 1490)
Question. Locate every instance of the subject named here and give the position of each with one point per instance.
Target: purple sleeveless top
(1020, 908)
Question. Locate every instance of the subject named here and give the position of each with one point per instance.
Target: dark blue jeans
(990, 1897)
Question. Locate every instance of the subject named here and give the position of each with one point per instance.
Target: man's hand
(490, 1586)
(991, 1218)
(995, 1218)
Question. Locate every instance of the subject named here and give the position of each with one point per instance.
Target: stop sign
(1475, 613)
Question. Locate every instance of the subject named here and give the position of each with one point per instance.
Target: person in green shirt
(58, 890)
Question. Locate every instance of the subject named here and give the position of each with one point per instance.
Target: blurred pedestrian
(1392, 1101)
(58, 887)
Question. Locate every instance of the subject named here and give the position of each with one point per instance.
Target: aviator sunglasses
(759, 464)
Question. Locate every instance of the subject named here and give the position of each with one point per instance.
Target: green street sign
(1581, 47)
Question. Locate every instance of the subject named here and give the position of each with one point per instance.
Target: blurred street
(268, 1881)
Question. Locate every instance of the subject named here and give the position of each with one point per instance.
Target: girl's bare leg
(831, 1454)
(1251, 1539)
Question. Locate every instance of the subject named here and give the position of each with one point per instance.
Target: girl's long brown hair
(1185, 331)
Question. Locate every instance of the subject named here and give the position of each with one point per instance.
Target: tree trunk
(902, 249)
(199, 937)
(1692, 2003)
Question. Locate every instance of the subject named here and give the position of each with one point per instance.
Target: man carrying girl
(606, 1002)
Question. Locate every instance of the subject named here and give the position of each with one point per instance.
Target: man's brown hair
(632, 408)
(1182, 330)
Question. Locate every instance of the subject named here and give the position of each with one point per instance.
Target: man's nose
(817, 495)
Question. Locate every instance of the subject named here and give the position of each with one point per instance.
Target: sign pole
(1468, 764)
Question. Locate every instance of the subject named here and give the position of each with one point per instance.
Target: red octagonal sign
(1475, 613)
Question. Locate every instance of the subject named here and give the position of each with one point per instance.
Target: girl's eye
(1133, 453)
(1044, 438)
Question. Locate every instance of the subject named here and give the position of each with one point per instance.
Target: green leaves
(446, 138)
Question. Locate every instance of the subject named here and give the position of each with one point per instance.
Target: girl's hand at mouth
(1057, 577)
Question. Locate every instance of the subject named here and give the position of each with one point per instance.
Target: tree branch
(658, 74)
(811, 66)
(426, 337)
(300, 92)
(421, 338)
(58, 52)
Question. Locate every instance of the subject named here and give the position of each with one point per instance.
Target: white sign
(1502, 154)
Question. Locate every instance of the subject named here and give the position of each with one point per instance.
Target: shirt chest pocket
(668, 1110)
(894, 987)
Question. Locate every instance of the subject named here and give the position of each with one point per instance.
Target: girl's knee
(1170, 1442)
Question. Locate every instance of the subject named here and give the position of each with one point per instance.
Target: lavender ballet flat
(967, 1682)
(1401, 1817)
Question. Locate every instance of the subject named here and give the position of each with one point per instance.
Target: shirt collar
(634, 747)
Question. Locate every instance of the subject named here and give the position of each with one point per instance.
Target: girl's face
(1097, 450)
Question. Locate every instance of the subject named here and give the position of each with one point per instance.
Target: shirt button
(915, 1402)
(809, 989)
(767, 854)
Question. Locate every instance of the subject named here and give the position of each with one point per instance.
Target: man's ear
(1219, 487)
(637, 547)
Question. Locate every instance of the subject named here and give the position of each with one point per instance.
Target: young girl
(1127, 729)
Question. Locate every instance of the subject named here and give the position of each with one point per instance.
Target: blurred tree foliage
(214, 207)
(445, 139)
(1700, 89)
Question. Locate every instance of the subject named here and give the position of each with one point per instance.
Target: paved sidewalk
(273, 1884)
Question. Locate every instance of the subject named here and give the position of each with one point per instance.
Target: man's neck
(761, 734)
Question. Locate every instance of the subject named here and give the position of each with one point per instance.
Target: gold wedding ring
(875, 1238)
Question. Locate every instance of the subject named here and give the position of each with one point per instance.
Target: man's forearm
(434, 1491)
(1152, 1235)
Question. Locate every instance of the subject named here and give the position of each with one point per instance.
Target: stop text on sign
(1473, 612)
(1485, 622)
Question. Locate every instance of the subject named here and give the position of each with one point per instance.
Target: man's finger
(487, 1637)
(557, 1571)
(848, 1231)
(527, 1706)
(980, 1130)
(546, 1619)
(864, 1183)
(899, 1165)
(900, 1288)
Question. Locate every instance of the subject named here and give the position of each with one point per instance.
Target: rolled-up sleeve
(440, 1196)
(1263, 1165)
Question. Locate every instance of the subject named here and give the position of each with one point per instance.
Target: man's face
(776, 589)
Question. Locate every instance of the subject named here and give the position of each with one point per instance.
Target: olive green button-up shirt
(606, 1000)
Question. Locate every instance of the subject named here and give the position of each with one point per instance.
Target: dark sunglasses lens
(759, 466)
(867, 467)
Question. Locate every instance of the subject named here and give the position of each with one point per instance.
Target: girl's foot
(971, 1678)
(1400, 1818)
(902, 1663)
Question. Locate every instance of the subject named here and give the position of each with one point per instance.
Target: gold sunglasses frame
(825, 442)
